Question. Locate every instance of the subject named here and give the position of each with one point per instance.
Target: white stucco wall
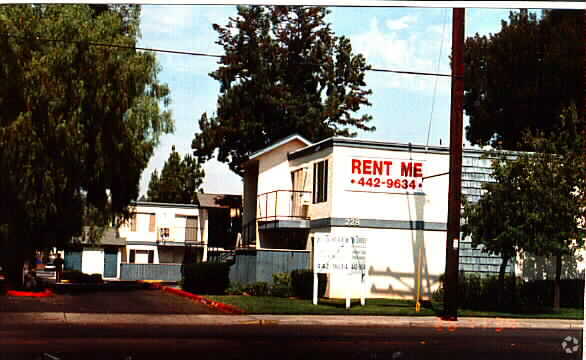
(274, 173)
(392, 258)
(92, 261)
(388, 203)
(164, 217)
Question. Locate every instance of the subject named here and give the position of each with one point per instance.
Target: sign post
(340, 254)
(314, 286)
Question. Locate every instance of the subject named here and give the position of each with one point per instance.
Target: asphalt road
(136, 301)
(164, 327)
(142, 341)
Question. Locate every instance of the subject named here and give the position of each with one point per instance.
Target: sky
(404, 107)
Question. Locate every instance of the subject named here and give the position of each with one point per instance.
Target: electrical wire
(436, 79)
(180, 52)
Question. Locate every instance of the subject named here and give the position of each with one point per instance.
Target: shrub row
(480, 293)
(78, 276)
(205, 278)
(213, 279)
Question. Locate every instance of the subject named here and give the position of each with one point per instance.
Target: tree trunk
(556, 283)
(501, 288)
(514, 304)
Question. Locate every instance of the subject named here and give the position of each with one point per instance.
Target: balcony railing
(283, 205)
(178, 235)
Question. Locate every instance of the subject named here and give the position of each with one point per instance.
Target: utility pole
(455, 187)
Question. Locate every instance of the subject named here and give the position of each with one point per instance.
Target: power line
(439, 60)
(191, 53)
(91, 43)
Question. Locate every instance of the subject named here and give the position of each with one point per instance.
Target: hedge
(480, 293)
(302, 284)
(206, 278)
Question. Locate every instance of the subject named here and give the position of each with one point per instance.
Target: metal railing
(178, 234)
(283, 204)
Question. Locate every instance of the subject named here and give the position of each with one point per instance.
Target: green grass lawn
(290, 306)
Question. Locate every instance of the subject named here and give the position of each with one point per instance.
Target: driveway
(127, 301)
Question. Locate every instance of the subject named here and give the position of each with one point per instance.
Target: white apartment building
(393, 195)
(157, 233)
(152, 243)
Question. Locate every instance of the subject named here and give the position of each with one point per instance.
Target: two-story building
(393, 195)
(152, 243)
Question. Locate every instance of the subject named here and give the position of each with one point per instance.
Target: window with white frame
(320, 181)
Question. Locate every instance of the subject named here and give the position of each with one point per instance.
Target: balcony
(178, 236)
(283, 209)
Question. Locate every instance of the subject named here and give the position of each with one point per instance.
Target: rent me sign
(384, 175)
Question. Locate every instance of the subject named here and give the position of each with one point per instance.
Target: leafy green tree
(179, 182)
(522, 77)
(283, 72)
(537, 202)
(78, 122)
(494, 221)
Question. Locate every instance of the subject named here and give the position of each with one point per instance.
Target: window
(141, 256)
(152, 223)
(133, 223)
(320, 181)
(191, 228)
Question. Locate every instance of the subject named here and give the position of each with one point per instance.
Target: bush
(540, 293)
(281, 285)
(235, 288)
(259, 288)
(480, 293)
(302, 284)
(206, 278)
(79, 277)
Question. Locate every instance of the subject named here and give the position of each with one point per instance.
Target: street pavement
(151, 324)
(123, 301)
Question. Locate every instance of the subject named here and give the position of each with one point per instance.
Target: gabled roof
(110, 237)
(279, 143)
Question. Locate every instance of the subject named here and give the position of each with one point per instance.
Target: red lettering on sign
(367, 167)
(378, 168)
(406, 169)
(388, 167)
(418, 171)
(356, 166)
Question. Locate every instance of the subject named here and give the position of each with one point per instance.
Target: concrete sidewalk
(81, 319)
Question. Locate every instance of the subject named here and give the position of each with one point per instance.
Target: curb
(225, 308)
(45, 293)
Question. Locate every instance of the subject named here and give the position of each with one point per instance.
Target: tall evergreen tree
(522, 77)
(179, 182)
(283, 72)
(78, 122)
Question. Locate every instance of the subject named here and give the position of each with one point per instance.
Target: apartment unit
(393, 195)
(152, 243)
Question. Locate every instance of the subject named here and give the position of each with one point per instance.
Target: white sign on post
(340, 254)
